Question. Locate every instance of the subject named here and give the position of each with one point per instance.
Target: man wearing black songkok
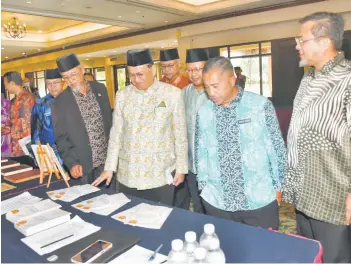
(82, 120)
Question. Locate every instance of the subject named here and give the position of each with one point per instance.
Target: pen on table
(153, 256)
(58, 240)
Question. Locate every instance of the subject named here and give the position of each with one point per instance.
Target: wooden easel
(48, 166)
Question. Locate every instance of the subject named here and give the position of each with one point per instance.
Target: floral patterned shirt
(21, 111)
(240, 153)
(148, 136)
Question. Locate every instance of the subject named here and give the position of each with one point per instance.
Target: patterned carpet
(287, 218)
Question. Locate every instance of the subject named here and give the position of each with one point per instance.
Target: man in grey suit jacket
(82, 120)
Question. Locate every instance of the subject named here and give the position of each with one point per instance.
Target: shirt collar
(236, 100)
(329, 66)
(197, 91)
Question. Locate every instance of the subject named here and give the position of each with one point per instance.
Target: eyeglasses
(53, 83)
(300, 41)
(169, 66)
(68, 77)
(195, 70)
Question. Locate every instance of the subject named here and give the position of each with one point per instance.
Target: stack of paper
(60, 236)
(41, 222)
(138, 255)
(28, 211)
(16, 202)
(144, 215)
(103, 204)
(72, 193)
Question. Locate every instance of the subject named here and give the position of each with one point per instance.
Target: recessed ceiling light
(2, 48)
(40, 31)
(162, 47)
(175, 41)
(166, 21)
(137, 11)
(38, 49)
(86, 59)
(119, 16)
(115, 51)
(23, 53)
(6, 57)
(29, 2)
(147, 46)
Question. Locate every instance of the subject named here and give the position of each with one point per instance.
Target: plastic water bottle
(200, 256)
(215, 254)
(208, 235)
(177, 254)
(190, 245)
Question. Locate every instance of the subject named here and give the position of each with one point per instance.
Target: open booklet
(103, 204)
(18, 201)
(72, 193)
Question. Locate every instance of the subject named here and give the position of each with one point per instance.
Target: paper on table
(38, 223)
(72, 193)
(103, 204)
(138, 255)
(144, 215)
(27, 211)
(16, 202)
(60, 236)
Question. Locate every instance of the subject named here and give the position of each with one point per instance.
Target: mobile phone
(92, 252)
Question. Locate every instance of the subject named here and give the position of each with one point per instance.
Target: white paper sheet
(72, 193)
(103, 204)
(18, 201)
(60, 236)
(138, 255)
(28, 211)
(144, 215)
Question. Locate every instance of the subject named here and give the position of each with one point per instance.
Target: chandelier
(13, 29)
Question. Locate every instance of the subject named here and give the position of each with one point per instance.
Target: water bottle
(190, 245)
(208, 235)
(177, 254)
(215, 254)
(200, 256)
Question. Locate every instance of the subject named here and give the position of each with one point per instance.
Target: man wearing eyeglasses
(170, 64)
(148, 138)
(41, 121)
(82, 120)
(194, 97)
(318, 180)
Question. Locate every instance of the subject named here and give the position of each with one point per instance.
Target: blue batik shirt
(240, 153)
(41, 124)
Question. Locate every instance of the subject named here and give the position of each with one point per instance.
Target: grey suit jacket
(70, 133)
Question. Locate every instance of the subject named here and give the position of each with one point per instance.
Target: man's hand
(105, 176)
(178, 179)
(5, 130)
(348, 209)
(278, 196)
(77, 171)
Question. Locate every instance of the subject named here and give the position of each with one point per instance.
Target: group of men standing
(207, 138)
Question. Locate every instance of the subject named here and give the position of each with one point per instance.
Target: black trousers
(163, 194)
(181, 195)
(265, 217)
(92, 176)
(194, 192)
(335, 239)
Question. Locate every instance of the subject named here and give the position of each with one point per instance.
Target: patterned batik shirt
(148, 136)
(319, 143)
(240, 153)
(21, 111)
(92, 117)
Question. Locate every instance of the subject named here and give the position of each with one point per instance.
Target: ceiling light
(162, 47)
(14, 29)
(115, 51)
(6, 57)
(86, 59)
(2, 48)
(175, 41)
(29, 2)
(38, 49)
(166, 21)
(40, 31)
(137, 11)
(23, 53)
(119, 16)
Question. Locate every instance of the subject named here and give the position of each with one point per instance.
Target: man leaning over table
(148, 136)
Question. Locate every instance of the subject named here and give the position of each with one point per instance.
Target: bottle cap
(209, 229)
(177, 244)
(190, 237)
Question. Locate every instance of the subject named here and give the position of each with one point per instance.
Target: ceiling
(56, 23)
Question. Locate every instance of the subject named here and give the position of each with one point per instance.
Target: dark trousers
(194, 192)
(335, 239)
(181, 195)
(265, 217)
(92, 176)
(163, 194)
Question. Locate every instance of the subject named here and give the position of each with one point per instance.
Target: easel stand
(48, 165)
